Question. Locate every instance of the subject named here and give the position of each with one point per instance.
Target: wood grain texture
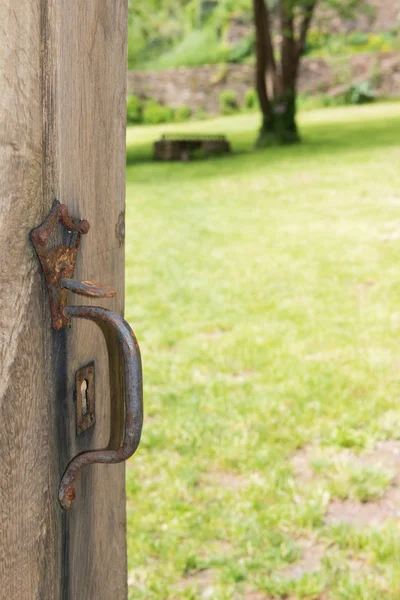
(30, 520)
(63, 79)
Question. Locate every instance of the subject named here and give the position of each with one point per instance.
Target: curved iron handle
(133, 400)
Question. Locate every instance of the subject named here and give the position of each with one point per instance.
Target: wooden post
(62, 135)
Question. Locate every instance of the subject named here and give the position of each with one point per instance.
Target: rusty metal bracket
(58, 265)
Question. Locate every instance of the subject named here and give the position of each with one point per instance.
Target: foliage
(278, 61)
(182, 113)
(150, 112)
(154, 26)
(264, 290)
(241, 51)
(198, 47)
(361, 93)
(154, 113)
(173, 33)
(228, 102)
(323, 44)
(134, 110)
(251, 99)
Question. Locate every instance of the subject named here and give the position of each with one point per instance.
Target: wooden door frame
(63, 81)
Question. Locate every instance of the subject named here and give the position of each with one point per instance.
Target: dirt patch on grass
(302, 465)
(365, 513)
(312, 553)
(386, 455)
(202, 581)
(256, 595)
(226, 479)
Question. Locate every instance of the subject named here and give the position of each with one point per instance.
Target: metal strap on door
(58, 265)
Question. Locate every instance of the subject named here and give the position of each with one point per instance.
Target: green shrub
(343, 44)
(380, 42)
(360, 93)
(228, 102)
(316, 40)
(198, 47)
(251, 99)
(154, 113)
(357, 38)
(134, 110)
(182, 113)
(242, 50)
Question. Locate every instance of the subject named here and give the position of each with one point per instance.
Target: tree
(278, 60)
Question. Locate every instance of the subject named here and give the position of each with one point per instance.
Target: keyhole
(84, 398)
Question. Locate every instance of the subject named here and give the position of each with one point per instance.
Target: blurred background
(263, 282)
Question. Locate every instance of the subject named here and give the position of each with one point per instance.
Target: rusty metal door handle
(58, 265)
(133, 400)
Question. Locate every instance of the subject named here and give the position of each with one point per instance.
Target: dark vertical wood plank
(30, 518)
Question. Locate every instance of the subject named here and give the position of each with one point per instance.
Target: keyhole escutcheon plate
(85, 398)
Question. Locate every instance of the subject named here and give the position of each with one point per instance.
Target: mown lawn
(264, 289)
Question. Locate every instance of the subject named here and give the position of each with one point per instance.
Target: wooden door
(62, 136)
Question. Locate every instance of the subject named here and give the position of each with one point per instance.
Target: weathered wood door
(62, 136)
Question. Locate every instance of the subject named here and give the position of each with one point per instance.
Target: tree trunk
(277, 86)
(280, 126)
(262, 61)
(285, 124)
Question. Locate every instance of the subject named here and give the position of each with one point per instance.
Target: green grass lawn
(264, 289)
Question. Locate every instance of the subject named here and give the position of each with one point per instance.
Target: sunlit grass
(264, 288)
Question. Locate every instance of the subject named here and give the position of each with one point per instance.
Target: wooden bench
(182, 147)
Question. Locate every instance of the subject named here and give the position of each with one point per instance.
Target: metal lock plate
(84, 398)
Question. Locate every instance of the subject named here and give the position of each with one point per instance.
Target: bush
(242, 50)
(228, 102)
(251, 99)
(316, 40)
(343, 44)
(198, 47)
(154, 113)
(134, 110)
(360, 93)
(358, 38)
(182, 113)
(151, 112)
